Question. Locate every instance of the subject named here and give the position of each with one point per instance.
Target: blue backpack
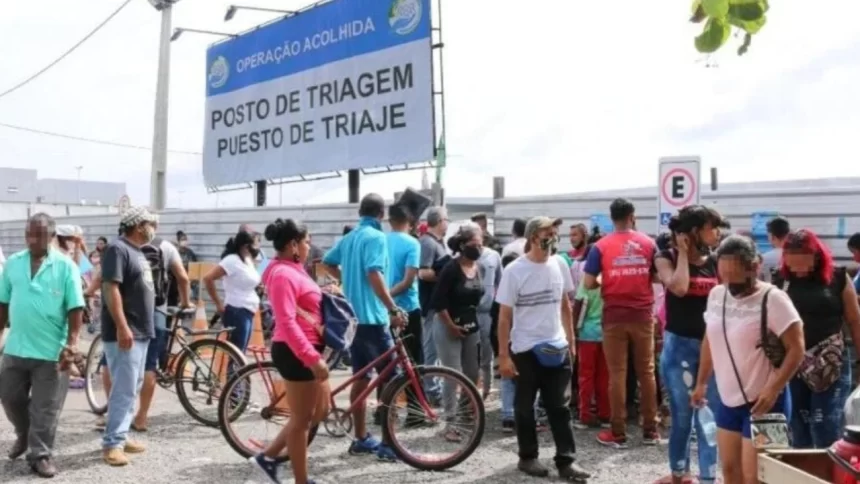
(338, 321)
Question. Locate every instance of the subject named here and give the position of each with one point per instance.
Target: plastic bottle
(709, 425)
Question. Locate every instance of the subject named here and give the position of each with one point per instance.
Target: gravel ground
(179, 449)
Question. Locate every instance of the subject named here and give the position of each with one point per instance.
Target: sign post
(677, 186)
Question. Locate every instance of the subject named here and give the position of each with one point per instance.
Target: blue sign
(840, 227)
(664, 218)
(759, 223)
(603, 222)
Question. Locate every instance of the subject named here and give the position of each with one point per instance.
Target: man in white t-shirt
(537, 344)
(518, 245)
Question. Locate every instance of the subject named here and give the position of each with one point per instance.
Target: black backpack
(155, 256)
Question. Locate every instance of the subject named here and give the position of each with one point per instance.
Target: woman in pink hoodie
(297, 347)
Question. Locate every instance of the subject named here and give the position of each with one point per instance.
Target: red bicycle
(403, 394)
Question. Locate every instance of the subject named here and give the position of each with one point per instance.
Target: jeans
(432, 387)
(33, 393)
(679, 365)
(242, 322)
(552, 383)
(816, 418)
(459, 354)
(485, 323)
(126, 370)
(617, 339)
(508, 390)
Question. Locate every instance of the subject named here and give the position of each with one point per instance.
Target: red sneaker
(609, 439)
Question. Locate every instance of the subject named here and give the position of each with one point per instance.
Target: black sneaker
(507, 426)
(266, 466)
(532, 467)
(573, 472)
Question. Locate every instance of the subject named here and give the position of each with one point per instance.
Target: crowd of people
(690, 329)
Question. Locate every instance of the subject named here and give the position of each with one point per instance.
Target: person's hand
(682, 241)
(320, 370)
(67, 357)
(397, 319)
(697, 398)
(456, 332)
(124, 338)
(571, 346)
(219, 308)
(766, 400)
(507, 368)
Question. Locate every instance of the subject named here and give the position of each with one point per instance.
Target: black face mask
(740, 288)
(254, 252)
(471, 252)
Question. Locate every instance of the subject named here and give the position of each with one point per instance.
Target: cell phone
(770, 431)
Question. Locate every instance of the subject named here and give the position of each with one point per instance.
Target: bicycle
(406, 386)
(193, 362)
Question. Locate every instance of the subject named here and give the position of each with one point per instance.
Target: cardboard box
(795, 467)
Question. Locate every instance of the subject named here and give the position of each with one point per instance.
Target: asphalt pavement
(181, 450)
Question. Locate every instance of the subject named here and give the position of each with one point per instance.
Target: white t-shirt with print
(534, 291)
(240, 283)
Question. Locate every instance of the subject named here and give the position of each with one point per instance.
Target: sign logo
(404, 16)
(219, 71)
(677, 186)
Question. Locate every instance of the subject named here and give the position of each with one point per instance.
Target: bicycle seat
(204, 332)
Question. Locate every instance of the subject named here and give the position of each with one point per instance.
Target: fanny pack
(467, 319)
(553, 354)
(822, 364)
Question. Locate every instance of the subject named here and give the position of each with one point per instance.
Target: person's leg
(552, 383)
(47, 397)
(588, 358)
(601, 387)
(642, 334)
(431, 385)
(242, 322)
(526, 390)
(615, 348)
(361, 353)
(827, 409)
(799, 422)
(156, 348)
(679, 361)
(303, 399)
(450, 356)
(507, 389)
(15, 385)
(485, 322)
(126, 367)
(731, 422)
(413, 341)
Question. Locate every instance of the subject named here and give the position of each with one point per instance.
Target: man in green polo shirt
(41, 295)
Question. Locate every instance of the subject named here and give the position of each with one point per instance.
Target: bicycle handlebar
(183, 313)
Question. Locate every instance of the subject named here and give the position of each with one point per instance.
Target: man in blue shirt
(41, 294)
(360, 261)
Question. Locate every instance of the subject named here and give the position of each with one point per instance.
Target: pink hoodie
(289, 287)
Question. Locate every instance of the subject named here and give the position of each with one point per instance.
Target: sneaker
(589, 423)
(385, 454)
(607, 438)
(266, 466)
(115, 457)
(573, 472)
(132, 447)
(508, 426)
(367, 445)
(44, 467)
(532, 467)
(101, 422)
(651, 437)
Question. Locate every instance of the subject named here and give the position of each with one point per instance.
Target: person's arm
(183, 283)
(5, 297)
(851, 312)
(567, 322)
(331, 261)
(284, 302)
(578, 304)
(209, 279)
(440, 300)
(675, 277)
(706, 364)
(73, 296)
(95, 284)
(428, 257)
(592, 269)
(497, 275)
(113, 263)
(506, 297)
(413, 260)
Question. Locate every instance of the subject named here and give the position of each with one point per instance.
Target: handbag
(770, 343)
(769, 431)
(553, 354)
(822, 364)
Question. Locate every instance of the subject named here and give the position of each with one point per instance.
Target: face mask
(579, 245)
(739, 288)
(255, 252)
(549, 245)
(471, 252)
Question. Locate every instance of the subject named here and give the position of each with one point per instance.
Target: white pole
(158, 181)
(79, 168)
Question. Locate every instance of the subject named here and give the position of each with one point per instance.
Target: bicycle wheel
(204, 364)
(396, 398)
(95, 369)
(254, 377)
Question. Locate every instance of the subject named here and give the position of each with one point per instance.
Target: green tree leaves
(748, 16)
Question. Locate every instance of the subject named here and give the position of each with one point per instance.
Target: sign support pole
(158, 179)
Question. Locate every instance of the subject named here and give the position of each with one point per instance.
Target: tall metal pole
(79, 168)
(158, 181)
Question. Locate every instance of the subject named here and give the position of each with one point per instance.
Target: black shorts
(289, 365)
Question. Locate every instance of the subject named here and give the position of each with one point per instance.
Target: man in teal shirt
(42, 296)
(360, 261)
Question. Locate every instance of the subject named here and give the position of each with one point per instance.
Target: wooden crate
(795, 467)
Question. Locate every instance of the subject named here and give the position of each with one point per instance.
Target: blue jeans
(242, 322)
(432, 387)
(126, 370)
(679, 367)
(508, 389)
(157, 350)
(816, 418)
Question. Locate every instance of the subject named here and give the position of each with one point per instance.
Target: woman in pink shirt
(748, 383)
(297, 347)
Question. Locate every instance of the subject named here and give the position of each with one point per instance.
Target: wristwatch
(394, 312)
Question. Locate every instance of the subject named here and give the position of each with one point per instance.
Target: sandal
(137, 428)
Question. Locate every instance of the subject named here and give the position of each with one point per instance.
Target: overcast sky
(557, 96)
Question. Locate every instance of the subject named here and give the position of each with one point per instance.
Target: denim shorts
(371, 341)
(737, 419)
(158, 346)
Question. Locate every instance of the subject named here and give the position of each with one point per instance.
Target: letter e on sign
(677, 186)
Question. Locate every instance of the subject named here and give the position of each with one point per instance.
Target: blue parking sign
(665, 217)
